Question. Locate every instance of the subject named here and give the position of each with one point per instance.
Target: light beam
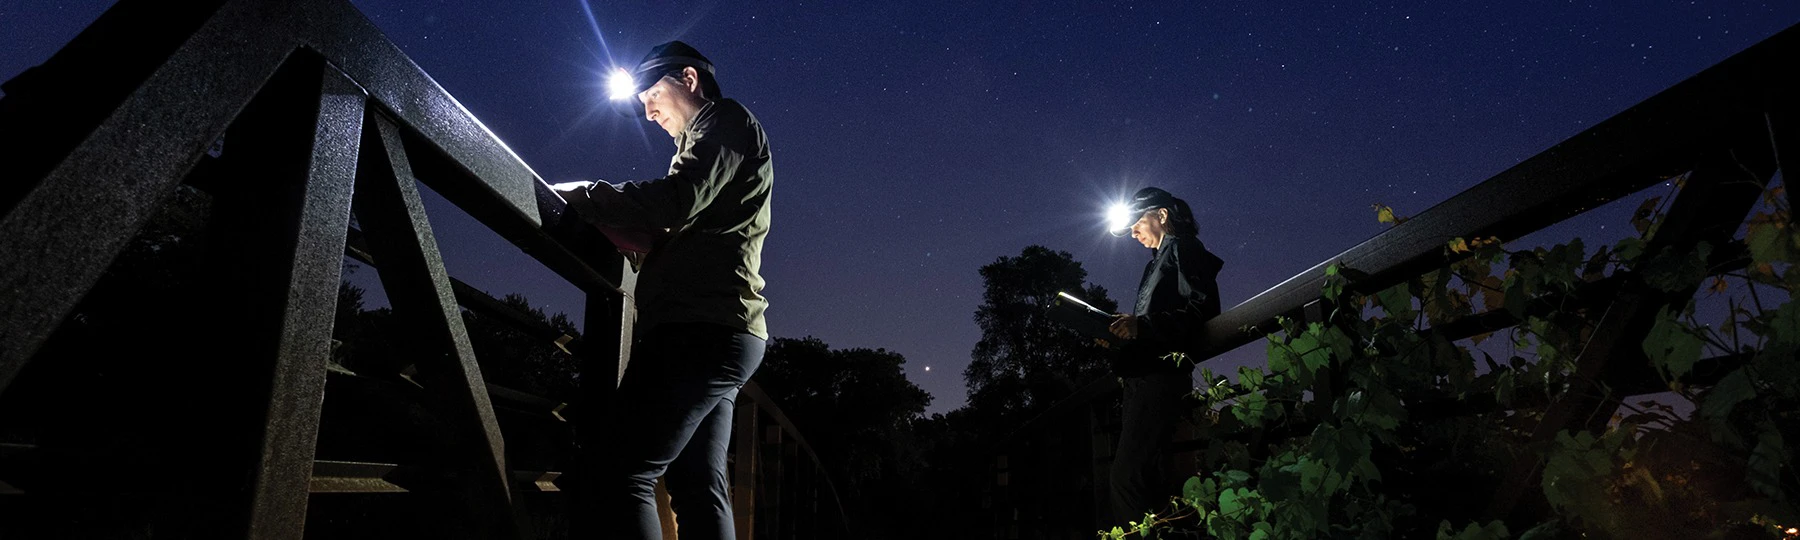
(619, 85)
(1119, 218)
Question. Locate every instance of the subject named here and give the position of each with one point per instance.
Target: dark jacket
(1179, 292)
(712, 211)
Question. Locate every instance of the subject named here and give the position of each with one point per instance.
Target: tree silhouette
(516, 360)
(1024, 361)
(858, 411)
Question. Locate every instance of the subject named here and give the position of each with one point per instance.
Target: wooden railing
(202, 413)
(1729, 120)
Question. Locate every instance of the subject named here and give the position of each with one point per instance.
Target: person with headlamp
(700, 331)
(1178, 293)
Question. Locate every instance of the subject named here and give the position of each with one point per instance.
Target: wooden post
(665, 511)
(392, 215)
(744, 472)
(276, 245)
(1708, 208)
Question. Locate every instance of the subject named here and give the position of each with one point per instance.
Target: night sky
(916, 141)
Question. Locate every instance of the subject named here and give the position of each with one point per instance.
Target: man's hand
(570, 190)
(1124, 326)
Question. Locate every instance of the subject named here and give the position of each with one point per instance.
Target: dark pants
(671, 413)
(1149, 409)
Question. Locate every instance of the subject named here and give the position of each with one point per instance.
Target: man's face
(673, 101)
(1150, 228)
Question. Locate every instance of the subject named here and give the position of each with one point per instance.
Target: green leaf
(1629, 250)
(1577, 476)
(1237, 477)
(1396, 301)
(1440, 303)
(1385, 214)
(1312, 476)
(1313, 354)
(1251, 409)
(1596, 265)
(1506, 387)
(1717, 403)
(1549, 530)
(1281, 484)
(1197, 492)
(1646, 216)
(1281, 361)
(1376, 408)
(1766, 461)
(1250, 378)
(1334, 283)
(1560, 264)
(1670, 346)
(1494, 530)
(1516, 297)
(1782, 328)
(1672, 271)
(1230, 504)
(1340, 448)
(1339, 343)
(1771, 240)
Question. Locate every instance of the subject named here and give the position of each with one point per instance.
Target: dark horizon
(913, 147)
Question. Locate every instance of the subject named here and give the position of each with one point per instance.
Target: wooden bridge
(1733, 122)
(275, 139)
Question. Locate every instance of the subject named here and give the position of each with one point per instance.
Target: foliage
(1024, 361)
(857, 410)
(523, 362)
(1378, 421)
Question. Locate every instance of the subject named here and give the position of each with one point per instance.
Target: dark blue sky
(917, 141)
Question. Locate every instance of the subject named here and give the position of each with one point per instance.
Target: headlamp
(621, 85)
(1119, 219)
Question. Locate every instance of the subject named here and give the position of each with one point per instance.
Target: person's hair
(709, 87)
(1181, 219)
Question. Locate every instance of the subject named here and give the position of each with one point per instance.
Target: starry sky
(916, 141)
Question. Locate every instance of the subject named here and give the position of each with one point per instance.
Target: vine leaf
(1645, 215)
(1629, 249)
(1672, 271)
(1385, 214)
(1671, 347)
(1766, 461)
(1717, 404)
(1494, 530)
(1770, 239)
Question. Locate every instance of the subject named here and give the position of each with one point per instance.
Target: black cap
(1150, 198)
(662, 60)
(1145, 200)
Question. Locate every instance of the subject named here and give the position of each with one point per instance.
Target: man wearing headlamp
(1178, 293)
(700, 328)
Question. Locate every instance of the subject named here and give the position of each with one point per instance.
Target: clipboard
(1087, 320)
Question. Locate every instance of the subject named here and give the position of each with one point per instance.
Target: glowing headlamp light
(1119, 219)
(620, 85)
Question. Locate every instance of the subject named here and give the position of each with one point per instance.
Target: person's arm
(695, 178)
(1168, 328)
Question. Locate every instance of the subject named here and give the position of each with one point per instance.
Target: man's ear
(691, 78)
(1162, 215)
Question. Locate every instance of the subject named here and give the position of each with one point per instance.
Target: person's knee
(628, 479)
(694, 484)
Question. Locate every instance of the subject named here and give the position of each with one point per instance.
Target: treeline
(890, 461)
